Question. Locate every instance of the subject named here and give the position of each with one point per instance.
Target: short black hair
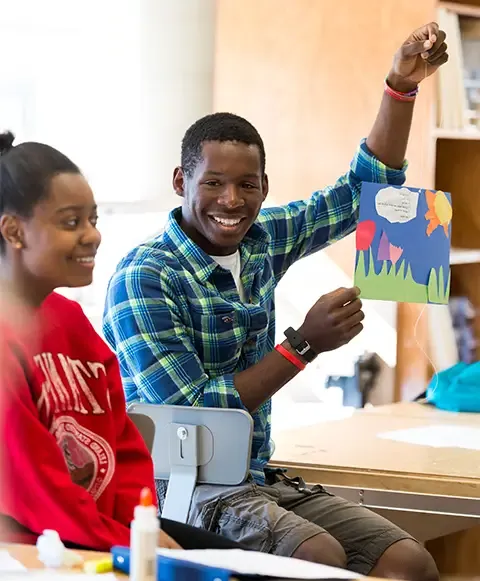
(25, 174)
(217, 127)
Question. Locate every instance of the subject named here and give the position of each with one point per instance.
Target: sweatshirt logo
(89, 458)
(65, 386)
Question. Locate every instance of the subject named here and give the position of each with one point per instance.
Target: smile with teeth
(229, 222)
(86, 260)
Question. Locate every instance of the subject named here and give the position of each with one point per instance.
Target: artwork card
(403, 244)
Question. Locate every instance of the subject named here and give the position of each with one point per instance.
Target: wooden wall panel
(309, 74)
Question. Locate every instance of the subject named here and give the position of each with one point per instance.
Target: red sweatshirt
(72, 459)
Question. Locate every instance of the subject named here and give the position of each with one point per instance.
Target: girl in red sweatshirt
(72, 459)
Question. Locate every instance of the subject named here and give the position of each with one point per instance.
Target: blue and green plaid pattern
(174, 316)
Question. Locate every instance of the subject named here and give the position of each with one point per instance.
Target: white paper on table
(253, 563)
(8, 564)
(440, 436)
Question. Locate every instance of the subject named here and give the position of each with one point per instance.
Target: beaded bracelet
(405, 97)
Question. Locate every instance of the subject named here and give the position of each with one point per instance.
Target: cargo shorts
(278, 517)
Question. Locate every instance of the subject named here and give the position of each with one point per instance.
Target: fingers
(334, 319)
(343, 296)
(346, 311)
(439, 61)
(352, 321)
(347, 314)
(354, 331)
(439, 57)
(351, 333)
(425, 41)
(415, 48)
(355, 319)
(439, 47)
(429, 32)
(432, 30)
(348, 320)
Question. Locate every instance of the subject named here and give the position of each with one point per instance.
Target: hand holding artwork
(334, 320)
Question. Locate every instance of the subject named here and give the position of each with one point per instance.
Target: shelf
(464, 256)
(461, 9)
(471, 134)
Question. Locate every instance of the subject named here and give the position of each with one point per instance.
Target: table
(434, 493)
(27, 555)
(422, 410)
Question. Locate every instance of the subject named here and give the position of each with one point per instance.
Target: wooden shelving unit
(471, 9)
(455, 159)
(464, 256)
(471, 135)
(457, 170)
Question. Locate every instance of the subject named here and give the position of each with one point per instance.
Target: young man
(191, 316)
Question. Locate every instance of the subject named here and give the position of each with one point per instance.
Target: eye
(212, 183)
(71, 223)
(249, 186)
(94, 221)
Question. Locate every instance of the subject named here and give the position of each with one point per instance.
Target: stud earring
(18, 245)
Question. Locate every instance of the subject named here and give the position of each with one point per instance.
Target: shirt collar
(254, 246)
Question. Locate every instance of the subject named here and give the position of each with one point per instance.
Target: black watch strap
(301, 345)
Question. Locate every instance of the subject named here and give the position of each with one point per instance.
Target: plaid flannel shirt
(174, 316)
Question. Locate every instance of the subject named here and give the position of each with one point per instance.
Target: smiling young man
(191, 315)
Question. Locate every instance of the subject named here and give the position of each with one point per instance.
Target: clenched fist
(334, 320)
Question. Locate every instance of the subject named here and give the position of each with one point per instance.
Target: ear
(179, 181)
(11, 230)
(265, 187)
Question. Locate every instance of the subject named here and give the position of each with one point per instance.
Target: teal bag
(456, 389)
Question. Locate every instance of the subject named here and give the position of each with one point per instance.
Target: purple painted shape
(383, 248)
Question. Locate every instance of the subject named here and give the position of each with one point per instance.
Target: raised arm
(301, 228)
(419, 57)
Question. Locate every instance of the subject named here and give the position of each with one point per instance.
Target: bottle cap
(146, 497)
(145, 508)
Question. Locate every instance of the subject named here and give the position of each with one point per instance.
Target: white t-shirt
(233, 264)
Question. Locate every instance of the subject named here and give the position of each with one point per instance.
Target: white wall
(111, 83)
(114, 84)
(177, 52)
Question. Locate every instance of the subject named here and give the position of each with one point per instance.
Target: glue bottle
(144, 533)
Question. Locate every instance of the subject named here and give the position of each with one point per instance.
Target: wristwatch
(301, 345)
